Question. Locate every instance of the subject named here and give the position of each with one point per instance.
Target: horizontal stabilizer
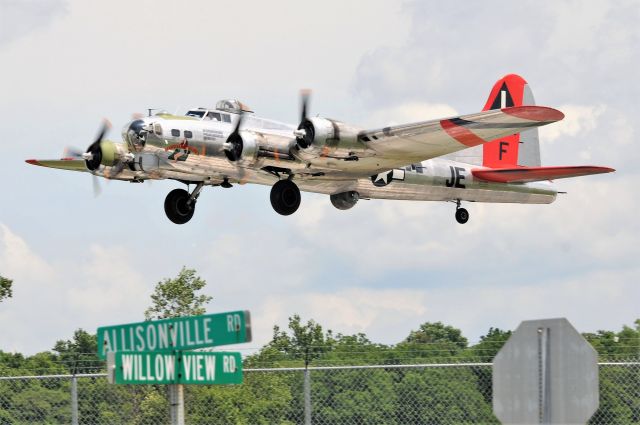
(533, 174)
(72, 164)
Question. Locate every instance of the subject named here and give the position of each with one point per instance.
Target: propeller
(233, 146)
(71, 152)
(97, 189)
(305, 132)
(305, 94)
(93, 155)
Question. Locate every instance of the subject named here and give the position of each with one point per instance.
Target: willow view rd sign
(180, 333)
(193, 367)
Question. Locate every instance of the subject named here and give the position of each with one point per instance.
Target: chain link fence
(388, 394)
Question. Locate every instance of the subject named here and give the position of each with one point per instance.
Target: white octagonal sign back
(546, 373)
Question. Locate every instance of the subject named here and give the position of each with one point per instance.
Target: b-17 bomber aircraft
(489, 156)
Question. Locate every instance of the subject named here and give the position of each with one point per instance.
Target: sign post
(176, 401)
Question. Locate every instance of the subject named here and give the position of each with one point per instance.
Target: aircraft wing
(430, 139)
(71, 164)
(532, 174)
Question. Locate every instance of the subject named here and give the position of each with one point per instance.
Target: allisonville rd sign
(175, 334)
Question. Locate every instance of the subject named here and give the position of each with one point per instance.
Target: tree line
(385, 395)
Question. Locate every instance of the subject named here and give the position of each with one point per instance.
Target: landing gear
(462, 215)
(179, 205)
(285, 197)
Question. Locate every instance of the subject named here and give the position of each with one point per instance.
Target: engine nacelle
(106, 153)
(345, 200)
(242, 146)
(144, 162)
(316, 132)
(324, 137)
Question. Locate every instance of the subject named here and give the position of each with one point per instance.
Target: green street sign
(181, 367)
(179, 333)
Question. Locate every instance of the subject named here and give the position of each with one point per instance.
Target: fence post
(176, 400)
(307, 396)
(74, 400)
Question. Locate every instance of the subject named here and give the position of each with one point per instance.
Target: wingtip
(597, 169)
(534, 113)
(32, 161)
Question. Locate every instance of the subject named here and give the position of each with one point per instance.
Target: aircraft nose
(135, 134)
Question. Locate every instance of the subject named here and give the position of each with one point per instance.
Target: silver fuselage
(190, 149)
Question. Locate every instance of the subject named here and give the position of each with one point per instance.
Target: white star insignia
(383, 176)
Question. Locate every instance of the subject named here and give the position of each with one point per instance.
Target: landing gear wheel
(462, 215)
(177, 206)
(285, 197)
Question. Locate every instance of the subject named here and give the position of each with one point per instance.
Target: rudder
(518, 149)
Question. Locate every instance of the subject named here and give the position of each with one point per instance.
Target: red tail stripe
(461, 134)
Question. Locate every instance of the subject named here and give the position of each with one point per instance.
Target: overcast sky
(382, 268)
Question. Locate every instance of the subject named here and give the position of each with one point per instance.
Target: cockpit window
(136, 135)
(232, 105)
(195, 113)
(226, 118)
(213, 116)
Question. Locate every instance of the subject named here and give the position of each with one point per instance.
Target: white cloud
(578, 120)
(587, 300)
(53, 298)
(352, 309)
(388, 315)
(383, 267)
(105, 283)
(424, 236)
(576, 28)
(409, 112)
(17, 260)
(19, 17)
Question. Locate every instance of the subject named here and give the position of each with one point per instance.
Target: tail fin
(519, 149)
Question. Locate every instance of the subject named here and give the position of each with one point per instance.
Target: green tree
(177, 297)
(441, 395)
(484, 351)
(437, 332)
(263, 398)
(9, 362)
(489, 345)
(5, 288)
(358, 350)
(304, 342)
(619, 395)
(617, 346)
(80, 353)
(433, 340)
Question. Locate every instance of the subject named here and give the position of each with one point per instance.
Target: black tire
(177, 208)
(462, 215)
(285, 197)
